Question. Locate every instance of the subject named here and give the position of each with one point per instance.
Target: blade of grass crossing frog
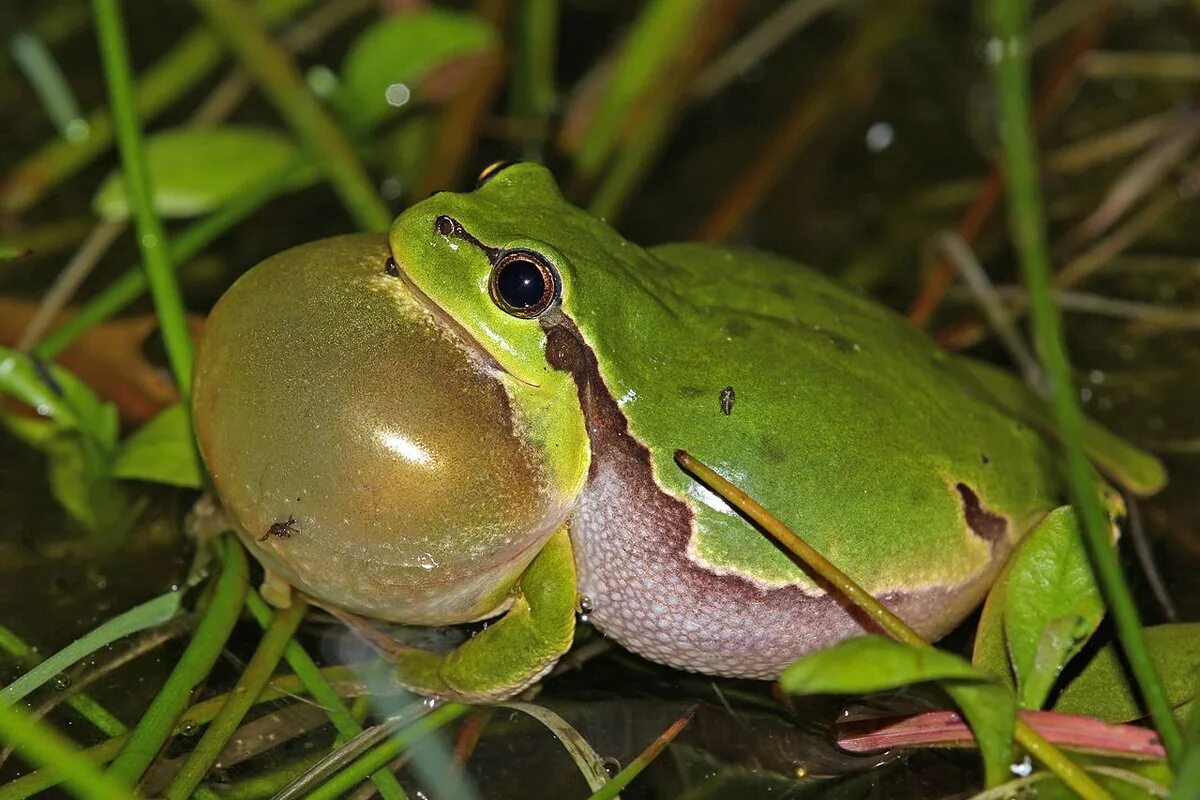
(649, 49)
(623, 778)
(996, 753)
(147, 615)
(590, 764)
(1137, 470)
(42, 745)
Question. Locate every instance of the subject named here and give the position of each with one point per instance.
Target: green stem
(152, 237)
(1067, 770)
(157, 724)
(376, 759)
(1026, 217)
(129, 287)
(318, 687)
(87, 706)
(251, 682)
(273, 69)
(41, 744)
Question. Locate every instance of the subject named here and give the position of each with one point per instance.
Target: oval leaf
(1052, 605)
(873, 664)
(162, 451)
(399, 52)
(195, 170)
(1103, 690)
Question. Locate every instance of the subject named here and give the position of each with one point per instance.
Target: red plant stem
(947, 728)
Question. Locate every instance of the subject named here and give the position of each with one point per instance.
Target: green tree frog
(476, 418)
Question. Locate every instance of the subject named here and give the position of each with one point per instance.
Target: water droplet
(425, 561)
(880, 137)
(189, 728)
(60, 682)
(431, 702)
(612, 766)
(1022, 768)
(586, 605)
(397, 95)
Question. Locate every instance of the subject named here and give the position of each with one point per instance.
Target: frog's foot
(275, 590)
(207, 520)
(508, 655)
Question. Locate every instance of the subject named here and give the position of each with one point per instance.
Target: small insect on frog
(475, 418)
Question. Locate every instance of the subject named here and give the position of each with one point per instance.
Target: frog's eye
(492, 170)
(524, 284)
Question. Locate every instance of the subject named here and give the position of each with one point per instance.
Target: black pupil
(521, 283)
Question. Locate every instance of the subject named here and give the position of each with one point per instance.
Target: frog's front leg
(516, 650)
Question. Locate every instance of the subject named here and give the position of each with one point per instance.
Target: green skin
(914, 471)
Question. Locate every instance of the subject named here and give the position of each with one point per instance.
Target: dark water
(897, 159)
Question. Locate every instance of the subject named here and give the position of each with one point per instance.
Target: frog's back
(845, 421)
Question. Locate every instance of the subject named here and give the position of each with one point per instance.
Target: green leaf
(1052, 605)
(163, 450)
(991, 711)
(1102, 689)
(401, 50)
(196, 170)
(873, 663)
(147, 615)
(77, 432)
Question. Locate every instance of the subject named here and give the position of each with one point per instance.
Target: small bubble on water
(60, 682)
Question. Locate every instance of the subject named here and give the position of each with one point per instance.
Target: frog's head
(373, 456)
(502, 263)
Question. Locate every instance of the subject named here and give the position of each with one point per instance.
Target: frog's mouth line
(457, 329)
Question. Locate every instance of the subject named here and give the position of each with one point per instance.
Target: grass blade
(41, 744)
(1008, 18)
(623, 778)
(152, 236)
(157, 724)
(147, 615)
(249, 685)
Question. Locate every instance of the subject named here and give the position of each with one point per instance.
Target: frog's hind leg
(511, 653)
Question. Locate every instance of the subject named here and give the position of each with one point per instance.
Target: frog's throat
(631, 538)
(459, 331)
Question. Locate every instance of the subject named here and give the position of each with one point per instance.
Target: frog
(474, 420)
